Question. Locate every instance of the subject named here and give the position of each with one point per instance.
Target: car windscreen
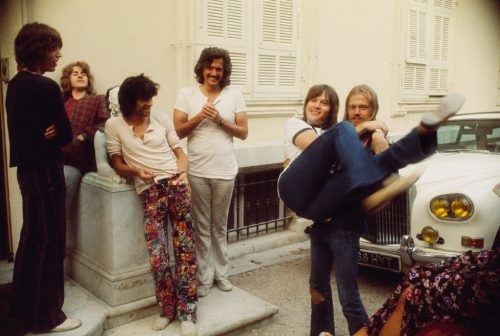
(470, 135)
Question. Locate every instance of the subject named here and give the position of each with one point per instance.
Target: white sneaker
(188, 328)
(450, 105)
(224, 285)
(68, 324)
(160, 322)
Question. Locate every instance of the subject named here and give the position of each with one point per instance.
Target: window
(473, 134)
(426, 70)
(255, 206)
(262, 39)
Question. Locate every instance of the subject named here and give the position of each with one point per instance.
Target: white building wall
(118, 39)
(348, 42)
(478, 54)
(356, 44)
(362, 41)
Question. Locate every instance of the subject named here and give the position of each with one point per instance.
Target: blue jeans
(73, 178)
(308, 188)
(331, 244)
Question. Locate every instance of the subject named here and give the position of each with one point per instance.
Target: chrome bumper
(407, 252)
(411, 254)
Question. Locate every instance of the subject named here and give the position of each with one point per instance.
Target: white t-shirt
(209, 147)
(154, 152)
(294, 127)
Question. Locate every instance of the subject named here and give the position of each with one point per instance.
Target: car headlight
(430, 235)
(456, 207)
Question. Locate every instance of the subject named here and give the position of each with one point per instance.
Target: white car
(453, 207)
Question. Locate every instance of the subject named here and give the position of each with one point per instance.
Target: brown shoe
(391, 187)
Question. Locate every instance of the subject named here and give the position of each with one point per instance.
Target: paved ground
(286, 286)
(279, 276)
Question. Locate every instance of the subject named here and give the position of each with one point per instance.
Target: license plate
(379, 260)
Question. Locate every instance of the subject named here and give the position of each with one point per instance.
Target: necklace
(30, 71)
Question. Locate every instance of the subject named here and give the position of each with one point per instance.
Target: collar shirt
(154, 152)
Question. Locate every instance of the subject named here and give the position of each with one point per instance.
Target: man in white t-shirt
(210, 115)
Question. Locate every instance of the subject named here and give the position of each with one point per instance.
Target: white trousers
(211, 200)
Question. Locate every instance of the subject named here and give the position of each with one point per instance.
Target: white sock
(160, 322)
(188, 328)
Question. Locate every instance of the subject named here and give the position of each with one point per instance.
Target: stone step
(219, 313)
(79, 304)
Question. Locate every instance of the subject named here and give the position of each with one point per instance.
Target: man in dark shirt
(38, 127)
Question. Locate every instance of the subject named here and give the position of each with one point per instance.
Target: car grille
(388, 225)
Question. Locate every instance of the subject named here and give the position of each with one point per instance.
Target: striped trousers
(38, 282)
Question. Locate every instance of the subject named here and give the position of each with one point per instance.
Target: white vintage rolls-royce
(453, 207)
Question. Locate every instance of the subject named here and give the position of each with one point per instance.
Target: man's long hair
(369, 93)
(206, 58)
(32, 44)
(135, 88)
(333, 101)
(65, 80)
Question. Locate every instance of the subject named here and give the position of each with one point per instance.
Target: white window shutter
(234, 19)
(414, 79)
(276, 71)
(417, 37)
(215, 19)
(287, 66)
(225, 19)
(438, 68)
(267, 65)
(225, 25)
(444, 4)
(438, 81)
(276, 61)
(286, 22)
(239, 76)
(441, 37)
(414, 70)
(269, 22)
(426, 69)
(261, 36)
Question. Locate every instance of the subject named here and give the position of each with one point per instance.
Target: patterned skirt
(462, 290)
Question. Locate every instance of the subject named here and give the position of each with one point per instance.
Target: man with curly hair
(38, 127)
(145, 146)
(87, 113)
(211, 115)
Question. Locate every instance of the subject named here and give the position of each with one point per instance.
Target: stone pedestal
(106, 252)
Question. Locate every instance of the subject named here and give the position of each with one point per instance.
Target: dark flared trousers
(38, 283)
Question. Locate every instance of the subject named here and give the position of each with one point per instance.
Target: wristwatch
(221, 122)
